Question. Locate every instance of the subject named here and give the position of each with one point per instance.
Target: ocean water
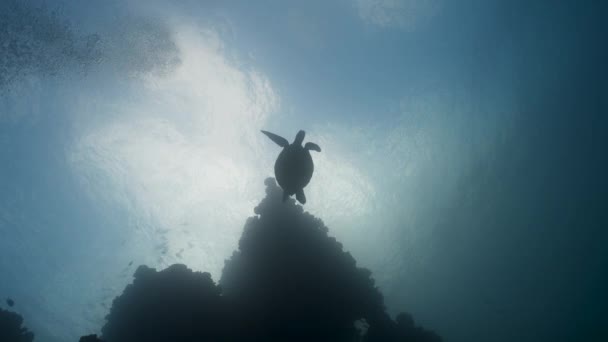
(463, 152)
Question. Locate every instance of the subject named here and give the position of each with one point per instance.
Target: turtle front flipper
(300, 196)
(279, 140)
(312, 147)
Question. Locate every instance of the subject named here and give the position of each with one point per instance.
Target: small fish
(131, 263)
(10, 302)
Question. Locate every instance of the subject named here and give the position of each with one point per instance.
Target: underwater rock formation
(288, 281)
(11, 329)
(90, 338)
(293, 282)
(175, 304)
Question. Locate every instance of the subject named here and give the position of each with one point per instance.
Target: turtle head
(299, 138)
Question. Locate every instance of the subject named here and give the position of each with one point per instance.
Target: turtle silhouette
(294, 167)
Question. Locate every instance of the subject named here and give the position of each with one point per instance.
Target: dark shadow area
(288, 281)
(11, 329)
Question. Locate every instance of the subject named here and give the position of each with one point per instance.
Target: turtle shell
(293, 168)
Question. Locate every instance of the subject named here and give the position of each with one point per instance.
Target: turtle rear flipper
(300, 196)
(285, 195)
(312, 147)
(279, 140)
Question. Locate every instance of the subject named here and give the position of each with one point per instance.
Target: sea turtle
(293, 168)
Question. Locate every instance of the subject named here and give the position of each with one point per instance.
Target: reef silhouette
(11, 329)
(288, 281)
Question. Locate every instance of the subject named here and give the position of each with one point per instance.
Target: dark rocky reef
(11, 329)
(175, 304)
(90, 338)
(288, 281)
